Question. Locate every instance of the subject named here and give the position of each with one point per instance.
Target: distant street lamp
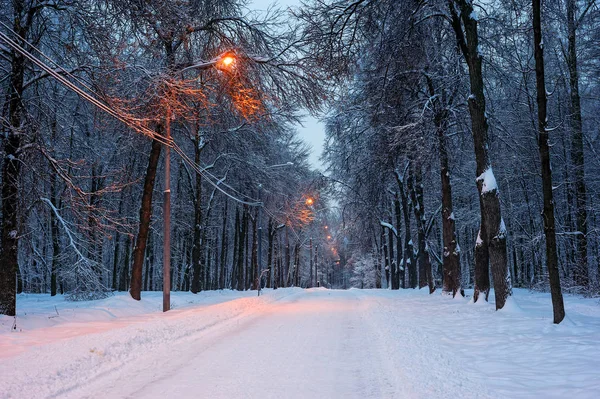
(223, 61)
(309, 201)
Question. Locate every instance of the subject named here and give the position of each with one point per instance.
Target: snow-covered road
(305, 345)
(316, 343)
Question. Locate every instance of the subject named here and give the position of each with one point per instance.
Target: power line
(128, 120)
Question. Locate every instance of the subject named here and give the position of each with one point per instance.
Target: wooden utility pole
(167, 219)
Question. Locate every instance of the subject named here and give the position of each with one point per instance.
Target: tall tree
(580, 271)
(544, 146)
(491, 243)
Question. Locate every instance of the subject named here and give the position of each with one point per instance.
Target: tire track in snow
(89, 360)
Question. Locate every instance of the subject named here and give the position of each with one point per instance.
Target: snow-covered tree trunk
(386, 257)
(491, 244)
(393, 271)
(415, 186)
(400, 267)
(409, 252)
(451, 251)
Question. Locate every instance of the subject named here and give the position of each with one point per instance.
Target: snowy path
(305, 345)
(317, 343)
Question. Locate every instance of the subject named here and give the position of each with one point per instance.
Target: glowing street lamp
(224, 61)
(227, 60)
(309, 201)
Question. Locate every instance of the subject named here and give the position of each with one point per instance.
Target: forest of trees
(434, 94)
(461, 146)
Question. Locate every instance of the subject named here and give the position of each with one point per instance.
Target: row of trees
(420, 94)
(82, 140)
(432, 91)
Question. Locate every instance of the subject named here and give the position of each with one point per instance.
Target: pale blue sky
(313, 131)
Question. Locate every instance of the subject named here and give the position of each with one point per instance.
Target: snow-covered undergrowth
(301, 343)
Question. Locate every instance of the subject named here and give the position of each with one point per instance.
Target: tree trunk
(197, 244)
(240, 252)
(254, 260)
(297, 265)
(318, 283)
(491, 246)
(548, 213)
(386, 257)
(145, 215)
(224, 245)
(393, 272)
(416, 192)
(117, 248)
(288, 259)
(11, 169)
(310, 261)
(377, 261)
(409, 253)
(451, 251)
(55, 235)
(276, 265)
(125, 266)
(271, 233)
(248, 255)
(400, 266)
(236, 243)
(580, 272)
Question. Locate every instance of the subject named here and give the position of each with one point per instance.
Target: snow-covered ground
(294, 343)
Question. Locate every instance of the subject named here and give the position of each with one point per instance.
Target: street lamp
(225, 60)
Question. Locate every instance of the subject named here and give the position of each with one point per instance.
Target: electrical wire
(126, 119)
(131, 122)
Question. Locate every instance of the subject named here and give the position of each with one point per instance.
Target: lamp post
(167, 218)
(224, 61)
